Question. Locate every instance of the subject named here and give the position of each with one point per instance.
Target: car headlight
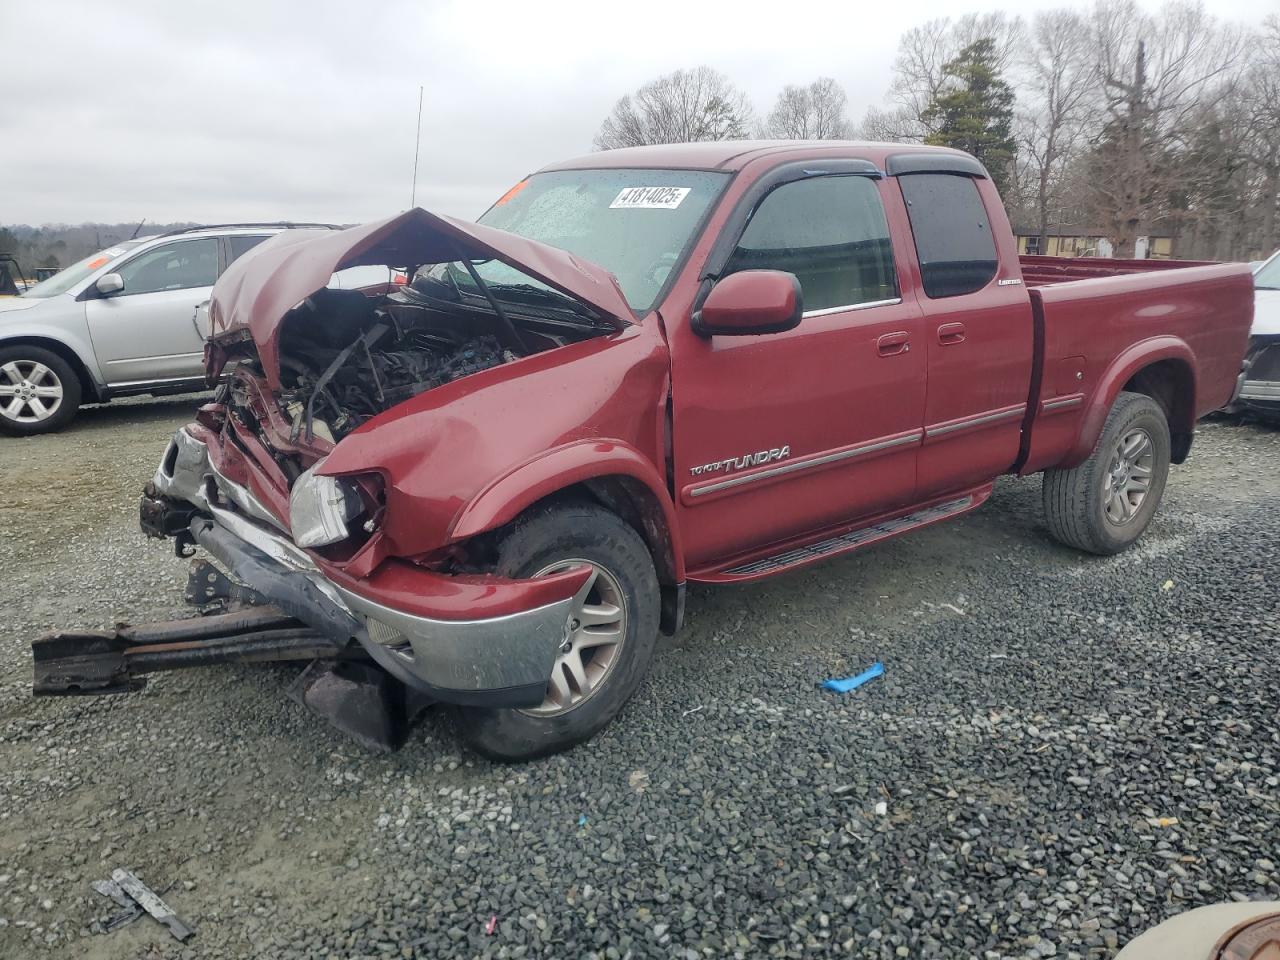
(321, 507)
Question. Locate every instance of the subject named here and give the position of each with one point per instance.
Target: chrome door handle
(892, 344)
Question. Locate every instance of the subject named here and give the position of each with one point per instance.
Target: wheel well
(88, 389)
(636, 504)
(1171, 384)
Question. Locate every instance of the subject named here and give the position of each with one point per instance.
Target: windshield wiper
(528, 292)
(511, 334)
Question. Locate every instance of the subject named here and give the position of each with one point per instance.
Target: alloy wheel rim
(592, 646)
(1128, 479)
(29, 391)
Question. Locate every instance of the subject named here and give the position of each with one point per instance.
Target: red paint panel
(821, 387)
(442, 450)
(1198, 316)
(980, 350)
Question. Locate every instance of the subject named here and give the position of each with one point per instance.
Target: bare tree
(1261, 100)
(1126, 118)
(892, 125)
(814, 112)
(919, 71)
(1225, 201)
(1210, 204)
(679, 107)
(1154, 74)
(1058, 104)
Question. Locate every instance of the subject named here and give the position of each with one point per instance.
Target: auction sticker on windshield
(649, 198)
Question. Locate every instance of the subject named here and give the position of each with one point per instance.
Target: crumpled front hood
(257, 290)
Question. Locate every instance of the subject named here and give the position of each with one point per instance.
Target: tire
(538, 542)
(1099, 506)
(39, 392)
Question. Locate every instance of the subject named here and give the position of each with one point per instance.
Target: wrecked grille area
(385, 370)
(345, 356)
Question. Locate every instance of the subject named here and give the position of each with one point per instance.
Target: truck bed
(1042, 271)
(1100, 321)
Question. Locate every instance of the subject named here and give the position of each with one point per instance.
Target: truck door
(978, 331)
(147, 331)
(782, 434)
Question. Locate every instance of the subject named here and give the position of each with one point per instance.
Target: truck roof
(732, 155)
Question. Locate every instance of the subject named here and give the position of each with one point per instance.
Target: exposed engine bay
(347, 356)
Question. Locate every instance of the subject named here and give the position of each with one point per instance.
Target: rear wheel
(39, 392)
(612, 631)
(1106, 503)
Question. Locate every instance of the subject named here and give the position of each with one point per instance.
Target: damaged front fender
(461, 458)
(581, 462)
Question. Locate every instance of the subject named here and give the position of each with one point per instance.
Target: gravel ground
(1062, 752)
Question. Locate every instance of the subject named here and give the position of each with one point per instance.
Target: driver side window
(831, 233)
(181, 265)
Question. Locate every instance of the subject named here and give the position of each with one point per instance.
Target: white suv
(1261, 389)
(118, 323)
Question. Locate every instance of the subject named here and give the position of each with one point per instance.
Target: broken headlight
(321, 507)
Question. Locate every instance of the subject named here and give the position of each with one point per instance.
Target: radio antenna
(417, 140)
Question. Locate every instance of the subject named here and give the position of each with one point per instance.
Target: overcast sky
(256, 110)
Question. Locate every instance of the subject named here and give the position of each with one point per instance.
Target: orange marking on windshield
(512, 192)
(97, 262)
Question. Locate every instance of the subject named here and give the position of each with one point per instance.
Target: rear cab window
(952, 234)
(831, 233)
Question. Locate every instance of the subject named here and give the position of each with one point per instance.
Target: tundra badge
(746, 460)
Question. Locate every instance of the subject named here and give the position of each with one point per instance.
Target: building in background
(1068, 240)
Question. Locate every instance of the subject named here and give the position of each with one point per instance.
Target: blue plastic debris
(845, 684)
(582, 819)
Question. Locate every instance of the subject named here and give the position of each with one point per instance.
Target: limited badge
(649, 198)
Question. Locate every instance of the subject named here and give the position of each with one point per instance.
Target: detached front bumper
(478, 640)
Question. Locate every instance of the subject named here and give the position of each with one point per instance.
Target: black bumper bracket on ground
(116, 661)
(284, 612)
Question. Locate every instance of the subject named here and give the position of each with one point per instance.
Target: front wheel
(612, 631)
(1106, 503)
(39, 392)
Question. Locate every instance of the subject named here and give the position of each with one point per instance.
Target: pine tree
(974, 112)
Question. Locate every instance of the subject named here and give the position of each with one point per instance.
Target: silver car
(121, 322)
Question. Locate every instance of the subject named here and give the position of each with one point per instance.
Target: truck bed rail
(1041, 271)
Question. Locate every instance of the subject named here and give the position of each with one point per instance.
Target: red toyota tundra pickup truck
(709, 362)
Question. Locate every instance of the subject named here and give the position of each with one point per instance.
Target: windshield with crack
(637, 223)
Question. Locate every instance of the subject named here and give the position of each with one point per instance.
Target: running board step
(861, 537)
